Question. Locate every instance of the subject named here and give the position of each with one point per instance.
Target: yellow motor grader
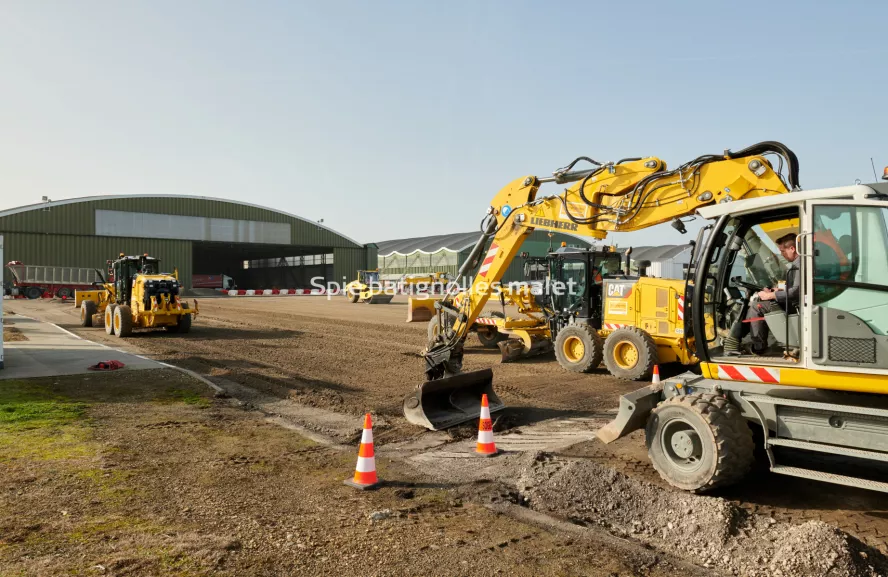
(136, 295)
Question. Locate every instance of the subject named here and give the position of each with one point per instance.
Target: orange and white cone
(656, 378)
(486, 447)
(365, 471)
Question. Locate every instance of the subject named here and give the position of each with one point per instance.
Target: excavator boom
(631, 194)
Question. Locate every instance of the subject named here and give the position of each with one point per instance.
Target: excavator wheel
(578, 348)
(489, 335)
(699, 442)
(630, 354)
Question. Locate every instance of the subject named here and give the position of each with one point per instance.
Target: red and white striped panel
(491, 254)
(611, 326)
(681, 307)
(277, 292)
(747, 373)
(485, 321)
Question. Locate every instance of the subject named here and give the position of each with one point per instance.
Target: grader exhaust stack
(443, 403)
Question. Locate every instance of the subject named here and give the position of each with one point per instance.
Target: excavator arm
(631, 194)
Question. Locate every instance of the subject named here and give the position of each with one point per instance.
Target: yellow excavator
(627, 195)
(809, 373)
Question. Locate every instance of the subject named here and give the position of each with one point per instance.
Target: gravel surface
(707, 530)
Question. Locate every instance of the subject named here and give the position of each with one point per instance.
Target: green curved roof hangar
(260, 247)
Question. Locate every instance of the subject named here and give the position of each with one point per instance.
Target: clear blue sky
(398, 119)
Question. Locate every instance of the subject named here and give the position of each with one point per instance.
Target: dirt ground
(146, 473)
(352, 358)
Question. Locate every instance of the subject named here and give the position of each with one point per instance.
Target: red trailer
(214, 281)
(35, 282)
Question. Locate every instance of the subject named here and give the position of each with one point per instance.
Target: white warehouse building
(671, 261)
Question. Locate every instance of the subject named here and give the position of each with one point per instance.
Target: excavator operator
(767, 301)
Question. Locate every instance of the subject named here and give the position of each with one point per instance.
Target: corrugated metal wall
(347, 262)
(94, 251)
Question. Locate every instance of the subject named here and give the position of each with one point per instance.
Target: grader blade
(515, 349)
(443, 403)
(380, 299)
(421, 308)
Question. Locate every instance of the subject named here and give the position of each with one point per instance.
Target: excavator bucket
(446, 402)
(380, 299)
(421, 308)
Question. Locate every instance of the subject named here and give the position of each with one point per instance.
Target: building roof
(657, 253)
(452, 242)
(86, 199)
(429, 244)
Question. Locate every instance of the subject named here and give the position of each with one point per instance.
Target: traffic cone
(656, 378)
(486, 447)
(365, 471)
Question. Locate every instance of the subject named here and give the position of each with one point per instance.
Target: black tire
(184, 325)
(489, 335)
(432, 330)
(699, 442)
(33, 292)
(578, 348)
(87, 310)
(630, 354)
(109, 318)
(64, 293)
(123, 321)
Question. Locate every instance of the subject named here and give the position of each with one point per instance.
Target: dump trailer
(36, 281)
(818, 392)
(367, 288)
(626, 195)
(137, 296)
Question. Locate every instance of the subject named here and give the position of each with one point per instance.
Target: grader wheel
(489, 335)
(630, 353)
(578, 348)
(109, 318)
(123, 321)
(87, 310)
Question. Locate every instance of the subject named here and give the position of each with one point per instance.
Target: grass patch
(186, 396)
(36, 423)
(25, 405)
